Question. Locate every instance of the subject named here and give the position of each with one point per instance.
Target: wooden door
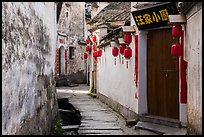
(162, 75)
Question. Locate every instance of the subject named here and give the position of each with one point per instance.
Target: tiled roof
(115, 11)
(113, 35)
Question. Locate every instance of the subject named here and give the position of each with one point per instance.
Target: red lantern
(85, 55)
(88, 48)
(115, 51)
(122, 48)
(94, 38)
(95, 54)
(87, 41)
(127, 38)
(176, 50)
(177, 31)
(94, 47)
(128, 53)
(100, 53)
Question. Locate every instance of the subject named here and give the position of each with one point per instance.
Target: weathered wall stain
(193, 54)
(28, 51)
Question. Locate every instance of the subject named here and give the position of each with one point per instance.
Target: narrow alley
(97, 118)
(100, 119)
(101, 68)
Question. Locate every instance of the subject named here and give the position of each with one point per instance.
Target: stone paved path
(97, 118)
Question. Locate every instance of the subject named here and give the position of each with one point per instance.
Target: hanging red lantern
(100, 53)
(87, 41)
(176, 50)
(122, 48)
(127, 38)
(94, 38)
(176, 30)
(88, 48)
(94, 47)
(128, 53)
(95, 54)
(85, 55)
(115, 51)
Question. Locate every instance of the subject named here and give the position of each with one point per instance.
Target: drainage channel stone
(71, 117)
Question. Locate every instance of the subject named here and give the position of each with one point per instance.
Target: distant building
(70, 43)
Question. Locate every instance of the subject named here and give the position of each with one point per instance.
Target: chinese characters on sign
(155, 16)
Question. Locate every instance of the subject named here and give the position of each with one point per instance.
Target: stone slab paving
(97, 118)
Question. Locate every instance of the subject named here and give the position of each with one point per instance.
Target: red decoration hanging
(115, 61)
(122, 60)
(85, 55)
(176, 30)
(57, 61)
(127, 38)
(127, 64)
(136, 63)
(99, 53)
(128, 53)
(94, 47)
(87, 41)
(88, 48)
(176, 50)
(122, 48)
(95, 54)
(65, 56)
(115, 51)
(94, 38)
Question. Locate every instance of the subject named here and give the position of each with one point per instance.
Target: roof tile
(115, 11)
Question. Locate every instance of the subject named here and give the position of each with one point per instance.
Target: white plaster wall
(193, 51)
(22, 62)
(142, 64)
(116, 81)
(142, 72)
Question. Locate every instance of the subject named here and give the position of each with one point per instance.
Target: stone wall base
(122, 110)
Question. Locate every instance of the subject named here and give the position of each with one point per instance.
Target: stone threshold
(159, 129)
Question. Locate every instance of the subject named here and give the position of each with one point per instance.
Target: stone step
(159, 129)
(160, 120)
(100, 132)
(71, 127)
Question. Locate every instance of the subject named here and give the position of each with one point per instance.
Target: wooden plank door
(162, 75)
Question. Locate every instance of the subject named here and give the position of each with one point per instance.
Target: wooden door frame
(154, 91)
(142, 75)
